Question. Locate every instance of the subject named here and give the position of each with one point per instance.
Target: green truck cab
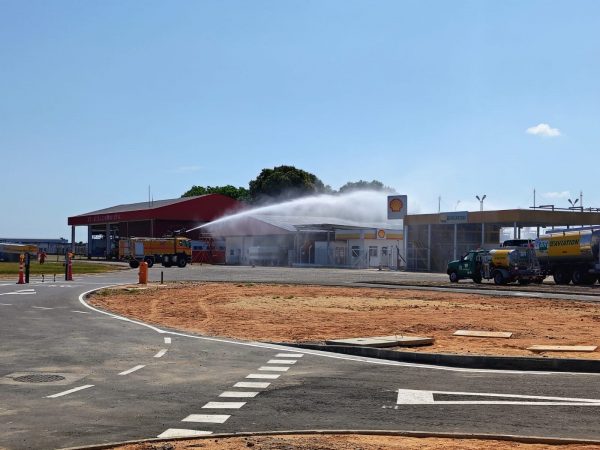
(468, 266)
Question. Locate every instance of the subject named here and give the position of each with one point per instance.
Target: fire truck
(174, 251)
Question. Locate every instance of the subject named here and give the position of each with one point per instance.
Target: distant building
(50, 246)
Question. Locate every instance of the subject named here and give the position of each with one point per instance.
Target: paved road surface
(124, 381)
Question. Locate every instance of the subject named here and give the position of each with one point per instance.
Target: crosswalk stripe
(281, 361)
(207, 418)
(265, 376)
(239, 394)
(251, 384)
(289, 355)
(224, 405)
(181, 432)
(274, 368)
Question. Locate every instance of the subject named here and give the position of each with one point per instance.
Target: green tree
(362, 185)
(284, 182)
(238, 193)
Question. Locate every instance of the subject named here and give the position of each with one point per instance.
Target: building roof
(520, 217)
(201, 209)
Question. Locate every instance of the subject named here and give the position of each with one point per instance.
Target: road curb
(399, 433)
(463, 361)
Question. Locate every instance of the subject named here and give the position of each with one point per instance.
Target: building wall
(433, 253)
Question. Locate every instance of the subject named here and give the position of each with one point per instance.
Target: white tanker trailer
(570, 256)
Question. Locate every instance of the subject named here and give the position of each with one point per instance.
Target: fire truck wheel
(150, 262)
(134, 264)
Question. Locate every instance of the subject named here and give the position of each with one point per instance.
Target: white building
(309, 241)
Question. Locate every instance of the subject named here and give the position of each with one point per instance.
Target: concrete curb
(398, 433)
(463, 361)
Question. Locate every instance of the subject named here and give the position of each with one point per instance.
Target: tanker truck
(570, 256)
(503, 265)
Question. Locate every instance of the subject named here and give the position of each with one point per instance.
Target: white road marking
(422, 397)
(224, 405)
(274, 368)
(41, 307)
(207, 418)
(80, 312)
(133, 369)
(161, 353)
(239, 394)
(329, 355)
(251, 384)
(167, 340)
(265, 376)
(281, 361)
(70, 391)
(21, 292)
(5, 304)
(180, 432)
(289, 355)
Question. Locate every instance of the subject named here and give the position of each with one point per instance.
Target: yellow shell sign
(396, 206)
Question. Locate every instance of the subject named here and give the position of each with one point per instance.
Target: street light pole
(481, 215)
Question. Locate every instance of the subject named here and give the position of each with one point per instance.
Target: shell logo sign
(396, 206)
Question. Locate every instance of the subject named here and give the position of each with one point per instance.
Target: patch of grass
(50, 268)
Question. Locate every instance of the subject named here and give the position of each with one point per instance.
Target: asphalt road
(124, 380)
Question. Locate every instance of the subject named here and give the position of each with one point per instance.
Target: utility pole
(481, 215)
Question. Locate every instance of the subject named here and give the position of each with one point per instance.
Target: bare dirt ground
(343, 442)
(291, 313)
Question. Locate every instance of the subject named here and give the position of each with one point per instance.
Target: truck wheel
(166, 261)
(562, 276)
(134, 264)
(149, 261)
(453, 277)
(499, 278)
(181, 262)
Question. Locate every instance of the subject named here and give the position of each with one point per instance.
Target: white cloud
(554, 195)
(543, 129)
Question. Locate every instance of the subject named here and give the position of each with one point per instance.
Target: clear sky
(99, 99)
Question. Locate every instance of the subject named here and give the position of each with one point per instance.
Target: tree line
(284, 183)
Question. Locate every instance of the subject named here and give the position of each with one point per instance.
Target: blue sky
(99, 99)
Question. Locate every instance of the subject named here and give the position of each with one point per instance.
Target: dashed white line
(239, 394)
(180, 432)
(5, 304)
(161, 353)
(274, 368)
(133, 369)
(167, 340)
(41, 307)
(207, 418)
(289, 355)
(251, 384)
(265, 376)
(70, 391)
(80, 312)
(224, 405)
(281, 361)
